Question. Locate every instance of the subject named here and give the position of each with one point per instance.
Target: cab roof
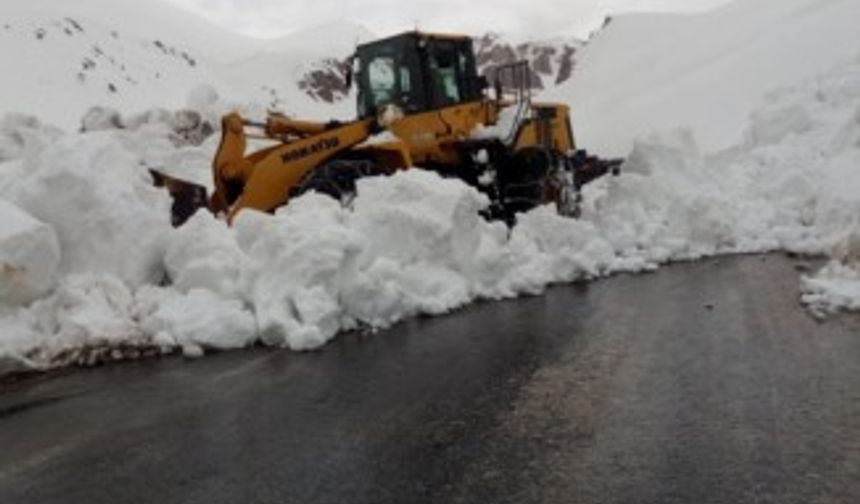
(418, 34)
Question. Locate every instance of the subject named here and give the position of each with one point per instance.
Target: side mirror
(348, 78)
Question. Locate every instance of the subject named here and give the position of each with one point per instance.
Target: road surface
(702, 383)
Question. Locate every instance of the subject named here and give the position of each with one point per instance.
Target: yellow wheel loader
(421, 102)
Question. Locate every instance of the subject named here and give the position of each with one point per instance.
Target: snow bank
(421, 236)
(20, 134)
(29, 256)
(204, 254)
(413, 243)
(300, 262)
(108, 217)
(92, 318)
(195, 321)
(86, 313)
(82, 209)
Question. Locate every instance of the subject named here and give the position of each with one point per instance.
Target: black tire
(337, 178)
(530, 179)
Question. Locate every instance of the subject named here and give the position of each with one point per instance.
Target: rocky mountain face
(550, 63)
(326, 80)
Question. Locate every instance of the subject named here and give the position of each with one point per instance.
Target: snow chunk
(101, 119)
(836, 287)
(29, 256)
(418, 216)
(203, 254)
(506, 127)
(298, 264)
(422, 233)
(84, 313)
(190, 128)
(89, 309)
(108, 217)
(556, 249)
(668, 205)
(249, 226)
(380, 138)
(197, 320)
(20, 134)
(847, 249)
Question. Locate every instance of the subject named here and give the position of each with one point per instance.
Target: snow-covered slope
(61, 58)
(647, 72)
(303, 72)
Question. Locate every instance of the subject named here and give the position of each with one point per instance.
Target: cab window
(444, 73)
(383, 79)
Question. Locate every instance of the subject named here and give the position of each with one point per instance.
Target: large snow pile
(29, 256)
(90, 188)
(648, 72)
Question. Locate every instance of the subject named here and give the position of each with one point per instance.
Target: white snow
(83, 313)
(836, 287)
(648, 72)
(204, 254)
(62, 57)
(20, 134)
(195, 321)
(29, 256)
(507, 124)
(300, 260)
(108, 216)
(383, 137)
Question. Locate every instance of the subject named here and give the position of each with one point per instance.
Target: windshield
(387, 78)
(415, 74)
(445, 80)
(383, 79)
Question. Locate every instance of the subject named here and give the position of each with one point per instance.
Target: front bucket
(188, 197)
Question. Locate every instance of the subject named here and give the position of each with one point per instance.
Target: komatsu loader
(421, 102)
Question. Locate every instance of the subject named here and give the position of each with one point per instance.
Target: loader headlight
(389, 114)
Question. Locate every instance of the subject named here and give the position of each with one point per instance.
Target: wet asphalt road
(703, 383)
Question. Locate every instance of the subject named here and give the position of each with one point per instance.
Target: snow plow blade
(587, 168)
(188, 197)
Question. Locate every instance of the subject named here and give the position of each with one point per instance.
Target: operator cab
(417, 72)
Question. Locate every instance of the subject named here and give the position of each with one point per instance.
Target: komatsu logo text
(309, 150)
